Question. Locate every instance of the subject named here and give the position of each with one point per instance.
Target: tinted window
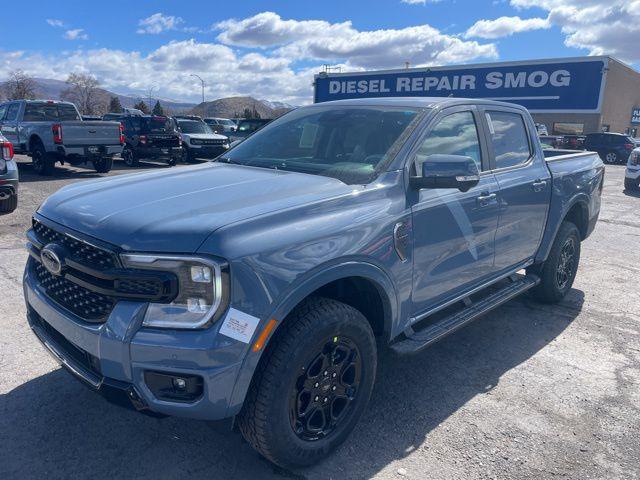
(67, 112)
(40, 112)
(509, 138)
(3, 109)
(344, 142)
(158, 125)
(455, 134)
(12, 111)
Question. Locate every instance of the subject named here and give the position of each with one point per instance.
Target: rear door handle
(485, 198)
(539, 185)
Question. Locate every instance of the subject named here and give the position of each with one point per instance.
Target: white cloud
(75, 34)
(505, 26)
(340, 42)
(158, 23)
(602, 27)
(55, 22)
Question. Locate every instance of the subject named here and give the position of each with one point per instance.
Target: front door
(524, 183)
(10, 124)
(453, 231)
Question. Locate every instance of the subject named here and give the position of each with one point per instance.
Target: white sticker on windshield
(239, 325)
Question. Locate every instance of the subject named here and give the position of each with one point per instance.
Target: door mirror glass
(447, 171)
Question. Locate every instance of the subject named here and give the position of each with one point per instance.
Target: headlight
(202, 290)
(195, 141)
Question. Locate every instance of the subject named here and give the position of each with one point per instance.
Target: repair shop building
(569, 95)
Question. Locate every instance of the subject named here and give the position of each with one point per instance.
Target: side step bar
(434, 332)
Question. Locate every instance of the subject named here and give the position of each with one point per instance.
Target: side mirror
(447, 171)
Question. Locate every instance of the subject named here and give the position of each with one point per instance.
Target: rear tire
(631, 184)
(610, 158)
(9, 205)
(129, 156)
(43, 164)
(103, 165)
(312, 384)
(558, 272)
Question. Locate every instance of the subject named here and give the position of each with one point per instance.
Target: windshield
(194, 127)
(226, 122)
(348, 143)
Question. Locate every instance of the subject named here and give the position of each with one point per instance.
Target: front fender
(310, 282)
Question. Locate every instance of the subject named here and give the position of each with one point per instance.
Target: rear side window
(12, 112)
(509, 137)
(41, 112)
(67, 112)
(3, 110)
(455, 134)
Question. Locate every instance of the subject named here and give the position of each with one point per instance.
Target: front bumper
(632, 172)
(112, 357)
(200, 151)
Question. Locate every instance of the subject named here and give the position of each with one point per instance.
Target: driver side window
(455, 134)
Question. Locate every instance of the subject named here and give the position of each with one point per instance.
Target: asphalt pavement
(529, 391)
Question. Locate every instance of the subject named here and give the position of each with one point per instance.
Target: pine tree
(157, 108)
(114, 105)
(142, 107)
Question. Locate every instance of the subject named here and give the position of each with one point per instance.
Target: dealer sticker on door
(239, 325)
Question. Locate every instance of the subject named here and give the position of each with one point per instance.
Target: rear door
(453, 231)
(524, 183)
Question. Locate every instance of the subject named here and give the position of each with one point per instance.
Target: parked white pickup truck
(50, 131)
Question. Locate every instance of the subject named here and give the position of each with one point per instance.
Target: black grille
(139, 287)
(213, 142)
(81, 252)
(88, 305)
(81, 356)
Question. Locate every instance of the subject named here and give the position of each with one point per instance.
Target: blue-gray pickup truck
(261, 286)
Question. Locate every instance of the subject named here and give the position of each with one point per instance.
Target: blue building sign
(564, 85)
(635, 116)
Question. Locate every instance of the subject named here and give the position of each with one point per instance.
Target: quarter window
(3, 109)
(509, 137)
(455, 134)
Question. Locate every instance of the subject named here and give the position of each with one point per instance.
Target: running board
(434, 332)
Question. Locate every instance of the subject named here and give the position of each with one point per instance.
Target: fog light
(180, 383)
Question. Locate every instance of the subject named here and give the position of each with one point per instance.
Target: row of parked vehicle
(53, 132)
(613, 148)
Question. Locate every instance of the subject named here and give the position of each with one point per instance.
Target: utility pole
(202, 82)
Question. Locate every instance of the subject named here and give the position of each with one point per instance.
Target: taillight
(6, 149)
(56, 129)
(121, 134)
(629, 146)
(143, 139)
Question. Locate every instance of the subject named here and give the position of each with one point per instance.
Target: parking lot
(529, 391)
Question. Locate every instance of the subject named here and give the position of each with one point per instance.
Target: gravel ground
(529, 391)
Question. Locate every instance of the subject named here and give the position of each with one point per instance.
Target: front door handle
(539, 185)
(485, 198)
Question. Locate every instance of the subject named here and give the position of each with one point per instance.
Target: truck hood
(175, 210)
(204, 136)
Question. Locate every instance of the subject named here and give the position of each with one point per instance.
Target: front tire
(631, 184)
(558, 272)
(312, 384)
(9, 205)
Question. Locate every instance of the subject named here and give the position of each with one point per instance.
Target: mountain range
(229, 107)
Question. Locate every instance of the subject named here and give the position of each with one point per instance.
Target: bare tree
(84, 91)
(20, 86)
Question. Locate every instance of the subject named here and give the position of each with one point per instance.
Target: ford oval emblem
(52, 259)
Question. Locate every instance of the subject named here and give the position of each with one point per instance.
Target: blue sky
(270, 49)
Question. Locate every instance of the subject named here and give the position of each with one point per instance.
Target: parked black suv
(612, 147)
(150, 137)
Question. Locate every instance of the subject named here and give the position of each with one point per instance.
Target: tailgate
(90, 133)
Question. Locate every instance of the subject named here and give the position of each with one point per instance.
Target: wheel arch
(33, 140)
(335, 281)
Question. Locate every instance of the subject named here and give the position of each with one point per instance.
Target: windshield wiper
(227, 160)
